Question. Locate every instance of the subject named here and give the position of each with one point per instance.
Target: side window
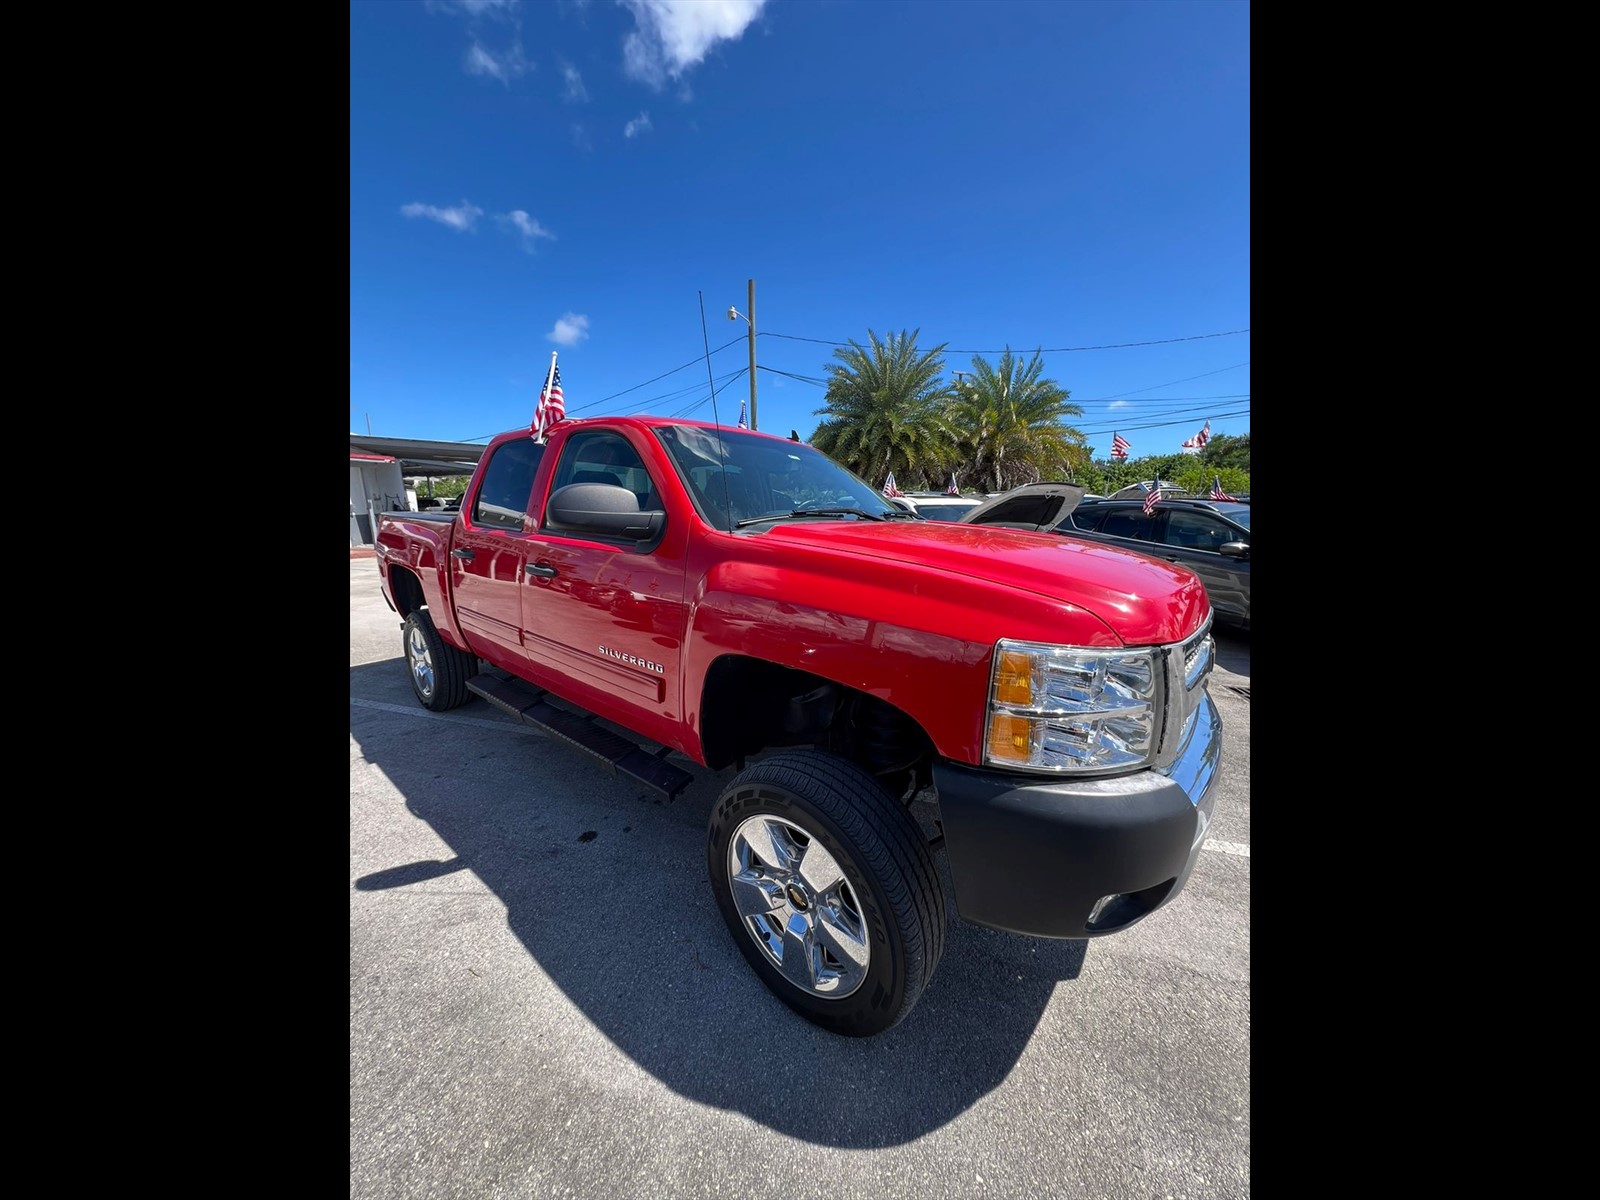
(1130, 523)
(1195, 530)
(602, 457)
(507, 483)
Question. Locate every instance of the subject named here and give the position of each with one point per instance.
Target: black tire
(438, 671)
(888, 892)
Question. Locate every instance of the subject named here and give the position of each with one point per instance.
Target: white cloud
(492, 51)
(529, 228)
(462, 217)
(574, 90)
(580, 137)
(505, 66)
(570, 330)
(675, 35)
(640, 124)
(1116, 404)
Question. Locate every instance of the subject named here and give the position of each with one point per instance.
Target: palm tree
(886, 409)
(1011, 428)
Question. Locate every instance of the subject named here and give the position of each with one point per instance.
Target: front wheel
(439, 672)
(829, 890)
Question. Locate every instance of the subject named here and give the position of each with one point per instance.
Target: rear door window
(502, 498)
(1132, 523)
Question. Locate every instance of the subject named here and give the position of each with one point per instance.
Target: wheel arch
(748, 704)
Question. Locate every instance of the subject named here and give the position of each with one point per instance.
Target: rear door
(489, 551)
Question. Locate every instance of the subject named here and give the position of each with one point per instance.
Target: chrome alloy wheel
(421, 661)
(798, 906)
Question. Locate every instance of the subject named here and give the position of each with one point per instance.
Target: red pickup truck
(724, 595)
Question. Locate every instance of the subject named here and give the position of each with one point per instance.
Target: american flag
(1199, 440)
(1119, 447)
(552, 407)
(889, 488)
(742, 425)
(1153, 490)
(952, 490)
(1216, 489)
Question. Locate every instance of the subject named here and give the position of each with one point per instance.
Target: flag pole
(538, 433)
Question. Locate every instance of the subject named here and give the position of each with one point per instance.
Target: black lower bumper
(1083, 858)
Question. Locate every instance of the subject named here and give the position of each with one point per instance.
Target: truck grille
(1188, 667)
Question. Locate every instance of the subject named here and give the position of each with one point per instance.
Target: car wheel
(438, 671)
(829, 890)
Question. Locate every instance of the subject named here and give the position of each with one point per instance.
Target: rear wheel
(438, 671)
(829, 890)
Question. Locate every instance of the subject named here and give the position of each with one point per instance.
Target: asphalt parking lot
(545, 1002)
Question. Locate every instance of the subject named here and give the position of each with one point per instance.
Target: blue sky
(578, 176)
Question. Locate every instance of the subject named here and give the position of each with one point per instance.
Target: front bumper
(1079, 858)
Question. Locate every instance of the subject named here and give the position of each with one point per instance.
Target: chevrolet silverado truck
(646, 588)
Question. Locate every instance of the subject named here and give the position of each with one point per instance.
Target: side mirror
(1235, 549)
(603, 509)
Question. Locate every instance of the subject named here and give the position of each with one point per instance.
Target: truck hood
(1144, 600)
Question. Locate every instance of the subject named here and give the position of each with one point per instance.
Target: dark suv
(1210, 537)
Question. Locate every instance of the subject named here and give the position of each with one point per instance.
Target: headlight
(1057, 708)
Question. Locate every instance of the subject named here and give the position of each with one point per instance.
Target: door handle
(542, 571)
(465, 555)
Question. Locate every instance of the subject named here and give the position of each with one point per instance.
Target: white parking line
(1226, 847)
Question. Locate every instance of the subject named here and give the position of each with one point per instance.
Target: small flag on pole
(1216, 489)
(552, 406)
(952, 490)
(889, 488)
(1119, 447)
(1199, 440)
(1153, 495)
(742, 425)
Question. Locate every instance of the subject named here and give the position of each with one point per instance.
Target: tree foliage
(1010, 423)
(1192, 472)
(887, 409)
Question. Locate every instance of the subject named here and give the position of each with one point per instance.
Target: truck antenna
(727, 502)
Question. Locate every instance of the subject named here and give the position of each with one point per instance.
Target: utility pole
(752, 314)
(749, 319)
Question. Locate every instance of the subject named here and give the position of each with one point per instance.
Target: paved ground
(544, 1001)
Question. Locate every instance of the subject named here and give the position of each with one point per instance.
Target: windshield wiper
(830, 511)
(840, 512)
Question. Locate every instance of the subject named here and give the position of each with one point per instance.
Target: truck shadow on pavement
(605, 885)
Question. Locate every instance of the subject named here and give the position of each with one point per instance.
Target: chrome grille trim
(1187, 666)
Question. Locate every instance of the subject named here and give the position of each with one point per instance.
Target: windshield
(734, 475)
(1240, 515)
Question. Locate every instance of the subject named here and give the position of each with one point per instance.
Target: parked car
(1209, 537)
(939, 506)
(1136, 491)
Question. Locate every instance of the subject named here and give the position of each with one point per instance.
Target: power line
(823, 383)
(1049, 350)
(1185, 419)
(1173, 383)
(791, 375)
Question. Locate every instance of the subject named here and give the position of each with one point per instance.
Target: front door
(603, 619)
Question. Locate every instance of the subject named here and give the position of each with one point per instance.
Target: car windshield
(1239, 516)
(734, 476)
